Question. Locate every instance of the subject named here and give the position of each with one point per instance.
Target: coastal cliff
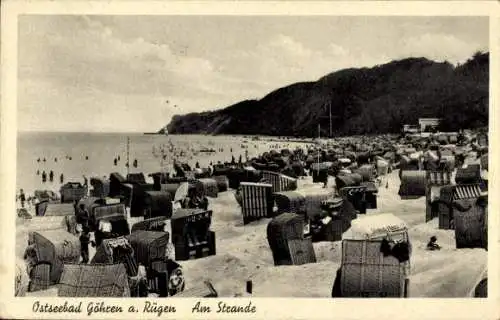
(363, 101)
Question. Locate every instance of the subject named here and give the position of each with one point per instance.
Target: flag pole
(319, 136)
(128, 154)
(330, 111)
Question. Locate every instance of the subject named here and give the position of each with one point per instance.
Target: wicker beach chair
(165, 278)
(210, 187)
(157, 204)
(435, 180)
(355, 195)
(55, 248)
(468, 175)
(413, 184)
(367, 172)
(148, 246)
(116, 251)
(367, 273)
(72, 191)
(222, 183)
(365, 270)
(283, 229)
(191, 234)
(116, 181)
(22, 278)
(279, 182)
(449, 195)
(471, 223)
(319, 172)
(100, 187)
(56, 209)
(202, 290)
(40, 277)
(348, 180)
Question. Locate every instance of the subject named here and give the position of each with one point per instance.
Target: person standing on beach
(61, 178)
(51, 176)
(44, 177)
(115, 162)
(135, 163)
(84, 244)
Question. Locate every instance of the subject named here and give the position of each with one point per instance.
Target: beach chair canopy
(375, 227)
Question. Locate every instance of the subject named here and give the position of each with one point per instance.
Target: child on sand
(432, 245)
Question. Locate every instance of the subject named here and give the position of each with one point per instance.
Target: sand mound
(309, 280)
(227, 272)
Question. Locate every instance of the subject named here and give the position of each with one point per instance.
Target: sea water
(102, 148)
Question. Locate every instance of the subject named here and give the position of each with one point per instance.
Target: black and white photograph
(267, 156)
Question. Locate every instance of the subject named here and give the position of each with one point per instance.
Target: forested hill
(363, 101)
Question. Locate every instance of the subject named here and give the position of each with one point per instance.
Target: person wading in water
(22, 198)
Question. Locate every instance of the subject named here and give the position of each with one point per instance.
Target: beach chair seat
(257, 201)
(281, 230)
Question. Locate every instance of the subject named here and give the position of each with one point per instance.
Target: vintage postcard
(222, 160)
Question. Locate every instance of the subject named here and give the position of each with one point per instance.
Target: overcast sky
(132, 73)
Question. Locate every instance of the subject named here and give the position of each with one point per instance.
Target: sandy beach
(243, 252)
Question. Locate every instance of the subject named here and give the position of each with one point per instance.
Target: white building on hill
(428, 124)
